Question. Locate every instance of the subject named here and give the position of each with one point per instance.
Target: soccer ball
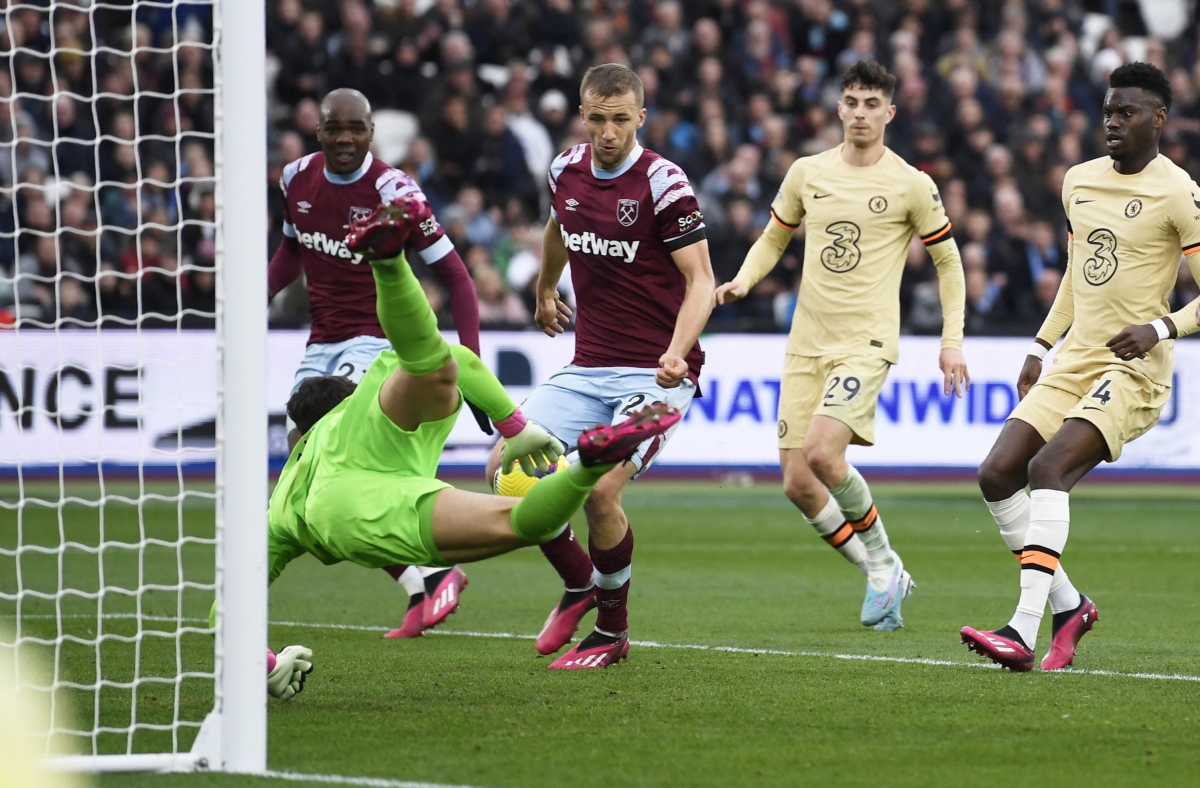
(516, 484)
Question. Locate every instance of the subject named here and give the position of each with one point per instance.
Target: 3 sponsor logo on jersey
(627, 211)
(588, 243)
(304, 206)
(334, 247)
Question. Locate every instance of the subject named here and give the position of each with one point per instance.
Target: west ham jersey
(620, 227)
(318, 209)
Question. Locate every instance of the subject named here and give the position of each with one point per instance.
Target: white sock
(1049, 525)
(854, 499)
(1012, 517)
(833, 528)
(412, 581)
(1063, 595)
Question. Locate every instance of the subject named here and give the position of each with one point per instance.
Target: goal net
(132, 352)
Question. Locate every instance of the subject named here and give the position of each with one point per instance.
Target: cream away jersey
(1127, 233)
(859, 222)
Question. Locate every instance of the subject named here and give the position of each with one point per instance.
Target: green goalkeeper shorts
(374, 518)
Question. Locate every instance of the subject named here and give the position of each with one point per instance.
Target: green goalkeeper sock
(541, 513)
(480, 386)
(407, 320)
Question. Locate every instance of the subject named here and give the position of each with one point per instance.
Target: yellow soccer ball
(516, 484)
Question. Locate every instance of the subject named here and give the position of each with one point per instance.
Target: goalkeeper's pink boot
(594, 651)
(414, 620)
(1067, 636)
(607, 444)
(564, 620)
(442, 600)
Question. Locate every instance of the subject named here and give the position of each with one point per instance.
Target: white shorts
(578, 398)
(350, 359)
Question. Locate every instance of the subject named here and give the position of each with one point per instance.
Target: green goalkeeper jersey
(359, 488)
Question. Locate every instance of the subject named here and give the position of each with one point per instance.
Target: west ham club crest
(627, 212)
(358, 212)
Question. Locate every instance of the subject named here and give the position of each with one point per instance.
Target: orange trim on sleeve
(928, 239)
(781, 222)
(1192, 249)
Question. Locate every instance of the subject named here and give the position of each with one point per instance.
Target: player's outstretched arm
(551, 315)
(761, 258)
(952, 289)
(694, 263)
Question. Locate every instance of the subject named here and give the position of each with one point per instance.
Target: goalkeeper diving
(360, 484)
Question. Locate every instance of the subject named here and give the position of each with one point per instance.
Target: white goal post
(66, 598)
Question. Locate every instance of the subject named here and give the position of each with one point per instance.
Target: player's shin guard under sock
(1049, 525)
(831, 526)
(613, 569)
(569, 560)
(540, 514)
(854, 499)
(1012, 517)
(407, 319)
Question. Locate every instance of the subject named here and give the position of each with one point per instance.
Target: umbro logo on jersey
(572, 203)
(1081, 202)
(821, 196)
(588, 243)
(303, 206)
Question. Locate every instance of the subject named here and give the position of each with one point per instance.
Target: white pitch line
(767, 652)
(367, 782)
(683, 646)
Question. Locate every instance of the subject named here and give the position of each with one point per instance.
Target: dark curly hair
(871, 75)
(315, 398)
(1149, 78)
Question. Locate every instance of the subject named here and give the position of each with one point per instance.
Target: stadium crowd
(996, 100)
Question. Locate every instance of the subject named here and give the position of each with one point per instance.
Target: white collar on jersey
(630, 160)
(343, 180)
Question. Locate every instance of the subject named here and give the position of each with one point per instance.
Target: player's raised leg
(563, 551)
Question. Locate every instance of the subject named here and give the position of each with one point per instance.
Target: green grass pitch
(718, 566)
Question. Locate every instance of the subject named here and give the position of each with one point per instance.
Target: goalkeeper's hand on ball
(533, 449)
(292, 666)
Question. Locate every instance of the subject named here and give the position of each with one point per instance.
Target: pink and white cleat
(594, 651)
(613, 443)
(1067, 636)
(1004, 651)
(564, 620)
(442, 599)
(414, 620)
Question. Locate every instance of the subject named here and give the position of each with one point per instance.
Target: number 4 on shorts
(1102, 393)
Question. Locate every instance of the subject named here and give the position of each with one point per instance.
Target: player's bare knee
(997, 479)
(604, 501)
(1045, 471)
(825, 464)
